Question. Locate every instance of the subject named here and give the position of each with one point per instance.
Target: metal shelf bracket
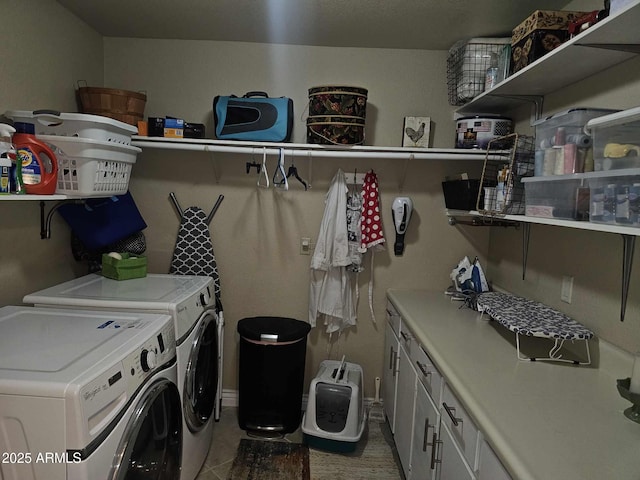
(628, 245)
(526, 234)
(45, 220)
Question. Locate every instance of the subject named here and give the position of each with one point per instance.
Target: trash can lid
(286, 329)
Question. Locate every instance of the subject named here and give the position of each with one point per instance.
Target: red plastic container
(38, 162)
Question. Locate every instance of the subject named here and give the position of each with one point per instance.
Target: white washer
(199, 339)
(88, 395)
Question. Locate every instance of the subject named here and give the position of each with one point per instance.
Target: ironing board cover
(193, 254)
(530, 318)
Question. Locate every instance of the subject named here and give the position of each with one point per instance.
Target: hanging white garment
(331, 290)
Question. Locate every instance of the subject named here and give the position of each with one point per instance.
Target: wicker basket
(122, 105)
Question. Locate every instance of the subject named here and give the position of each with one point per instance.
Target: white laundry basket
(77, 125)
(335, 419)
(91, 168)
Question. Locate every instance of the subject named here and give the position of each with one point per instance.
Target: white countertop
(545, 420)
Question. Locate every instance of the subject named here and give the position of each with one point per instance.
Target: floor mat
(270, 460)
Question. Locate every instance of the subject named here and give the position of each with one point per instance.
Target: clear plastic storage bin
(616, 140)
(562, 145)
(563, 196)
(615, 197)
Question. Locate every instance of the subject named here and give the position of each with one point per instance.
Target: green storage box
(124, 269)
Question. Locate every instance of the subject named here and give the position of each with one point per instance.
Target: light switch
(305, 246)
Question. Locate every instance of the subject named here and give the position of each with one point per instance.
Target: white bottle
(491, 78)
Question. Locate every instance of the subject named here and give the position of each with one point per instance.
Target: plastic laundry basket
(271, 371)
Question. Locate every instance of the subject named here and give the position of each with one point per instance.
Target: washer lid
(157, 292)
(50, 340)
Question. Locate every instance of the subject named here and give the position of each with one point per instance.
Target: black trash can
(271, 373)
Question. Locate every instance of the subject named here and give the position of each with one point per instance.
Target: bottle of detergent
(37, 161)
(6, 152)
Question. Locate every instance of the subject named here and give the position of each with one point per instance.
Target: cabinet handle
(391, 356)
(433, 451)
(450, 411)
(423, 368)
(425, 444)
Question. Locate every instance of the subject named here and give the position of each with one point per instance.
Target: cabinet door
(489, 466)
(452, 463)
(425, 433)
(404, 409)
(389, 375)
(464, 430)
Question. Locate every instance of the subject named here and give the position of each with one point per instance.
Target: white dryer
(87, 395)
(199, 340)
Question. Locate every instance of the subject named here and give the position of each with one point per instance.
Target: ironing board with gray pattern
(193, 254)
(534, 319)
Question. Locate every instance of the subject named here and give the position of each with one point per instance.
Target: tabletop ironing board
(534, 319)
(193, 253)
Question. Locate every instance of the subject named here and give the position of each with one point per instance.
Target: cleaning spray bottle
(6, 152)
(37, 161)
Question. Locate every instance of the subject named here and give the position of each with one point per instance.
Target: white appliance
(401, 212)
(88, 395)
(199, 340)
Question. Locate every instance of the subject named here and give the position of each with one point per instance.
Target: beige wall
(256, 232)
(44, 51)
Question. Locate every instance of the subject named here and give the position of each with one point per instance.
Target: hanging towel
(371, 221)
(331, 290)
(371, 225)
(354, 230)
(193, 253)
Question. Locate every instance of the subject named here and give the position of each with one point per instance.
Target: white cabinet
(489, 467)
(426, 427)
(452, 463)
(405, 399)
(435, 436)
(389, 375)
(459, 423)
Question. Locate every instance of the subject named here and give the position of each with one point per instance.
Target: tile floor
(226, 437)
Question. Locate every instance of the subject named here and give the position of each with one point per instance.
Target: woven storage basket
(336, 115)
(122, 105)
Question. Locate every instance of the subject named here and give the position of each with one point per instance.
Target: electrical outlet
(567, 289)
(305, 246)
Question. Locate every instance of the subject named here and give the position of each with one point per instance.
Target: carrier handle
(256, 93)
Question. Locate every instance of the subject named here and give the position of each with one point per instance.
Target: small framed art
(416, 132)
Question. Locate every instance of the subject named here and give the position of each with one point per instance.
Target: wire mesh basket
(508, 160)
(467, 64)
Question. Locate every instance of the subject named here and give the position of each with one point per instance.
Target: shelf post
(526, 233)
(628, 245)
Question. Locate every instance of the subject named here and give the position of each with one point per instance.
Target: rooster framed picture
(416, 132)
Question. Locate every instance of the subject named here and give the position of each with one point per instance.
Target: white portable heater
(335, 419)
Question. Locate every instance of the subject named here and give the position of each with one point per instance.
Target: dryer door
(151, 446)
(201, 374)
